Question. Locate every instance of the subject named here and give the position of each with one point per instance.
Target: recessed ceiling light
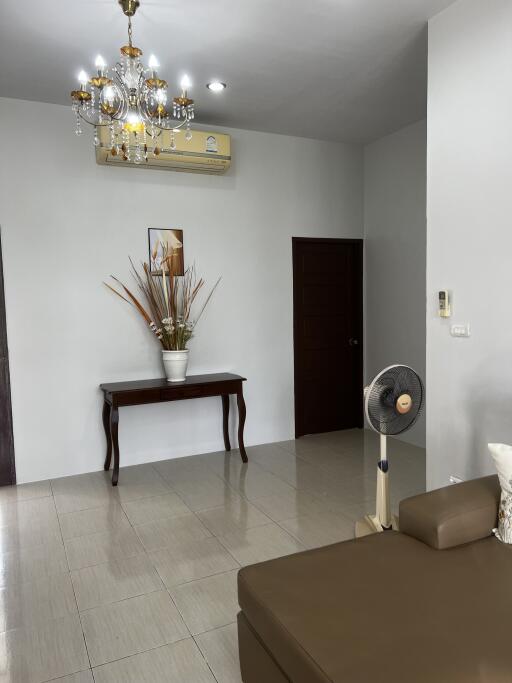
(216, 86)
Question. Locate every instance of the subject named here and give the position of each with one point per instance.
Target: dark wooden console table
(144, 391)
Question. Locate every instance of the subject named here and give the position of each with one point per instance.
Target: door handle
(353, 342)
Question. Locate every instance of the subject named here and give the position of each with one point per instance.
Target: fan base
(370, 525)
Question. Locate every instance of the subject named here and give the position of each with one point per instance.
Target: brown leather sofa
(431, 603)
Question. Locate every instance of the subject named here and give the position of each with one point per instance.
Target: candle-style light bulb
(83, 78)
(153, 63)
(100, 63)
(185, 83)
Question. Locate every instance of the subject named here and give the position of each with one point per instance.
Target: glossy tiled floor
(138, 583)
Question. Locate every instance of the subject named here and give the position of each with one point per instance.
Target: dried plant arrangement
(165, 301)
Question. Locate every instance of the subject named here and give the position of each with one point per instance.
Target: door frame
(359, 243)
(7, 460)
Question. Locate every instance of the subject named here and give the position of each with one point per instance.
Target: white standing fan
(392, 404)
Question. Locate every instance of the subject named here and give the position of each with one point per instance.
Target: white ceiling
(348, 70)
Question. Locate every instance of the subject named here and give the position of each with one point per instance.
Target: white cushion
(502, 456)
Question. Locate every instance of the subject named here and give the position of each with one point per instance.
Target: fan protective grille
(383, 394)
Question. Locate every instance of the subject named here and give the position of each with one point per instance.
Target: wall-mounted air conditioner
(206, 152)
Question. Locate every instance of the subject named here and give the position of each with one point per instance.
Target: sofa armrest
(453, 515)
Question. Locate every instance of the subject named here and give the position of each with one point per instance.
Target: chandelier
(132, 102)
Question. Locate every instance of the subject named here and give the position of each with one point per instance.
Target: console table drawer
(137, 398)
(176, 393)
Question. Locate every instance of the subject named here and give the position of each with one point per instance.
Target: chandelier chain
(130, 31)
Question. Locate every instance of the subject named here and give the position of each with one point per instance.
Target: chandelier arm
(175, 125)
(124, 98)
(93, 123)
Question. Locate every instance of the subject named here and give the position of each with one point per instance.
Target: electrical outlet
(455, 480)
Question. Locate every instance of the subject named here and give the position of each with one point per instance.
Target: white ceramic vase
(175, 365)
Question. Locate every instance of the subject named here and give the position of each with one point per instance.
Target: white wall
(469, 250)
(68, 223)
(395, 240)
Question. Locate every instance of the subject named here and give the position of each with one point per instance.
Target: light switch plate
(460, 330)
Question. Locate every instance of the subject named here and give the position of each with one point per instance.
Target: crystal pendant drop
(188, 135)
(173, 141)
(78, 129)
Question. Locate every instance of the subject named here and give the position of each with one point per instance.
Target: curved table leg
(225, 420)
(241, 422)
(106, 427)
(114, 428)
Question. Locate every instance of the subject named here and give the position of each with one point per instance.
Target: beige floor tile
(315, 487)
(139, 481)
(37, 489)
(200, 473)
(220, 649)
(261, 451)
(354, 511)
(176, 468)
(346, 439)
(191, 560)
(236, 515)
(226, 465)
(85, 522)
(27, 512)
(28, 523)
(36, 602)
(37, 655)
(347, 490)
(180, 663)
(200, 494)
(114, 581)
(287, 467)
(32, 563)
(291, 504)
(131, 626)
(151, 509)
(260, 543)
(82, 677)
(29, 534)
(86, 551)
(313, 451)
(256, 483)
(208, 603)
(320, 529)
(348, 466)
(341, 494)
(164, 533)
(81, 492)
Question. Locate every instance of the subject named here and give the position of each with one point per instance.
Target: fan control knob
(404, 404)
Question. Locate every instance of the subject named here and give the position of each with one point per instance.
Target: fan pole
(382, 520)
(383, 513)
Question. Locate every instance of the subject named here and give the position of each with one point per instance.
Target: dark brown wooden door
(328, 343)
(7, 468)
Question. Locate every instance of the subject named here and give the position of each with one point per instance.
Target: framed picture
(170, 241)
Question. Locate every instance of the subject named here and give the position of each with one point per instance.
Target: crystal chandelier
(132, 101)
